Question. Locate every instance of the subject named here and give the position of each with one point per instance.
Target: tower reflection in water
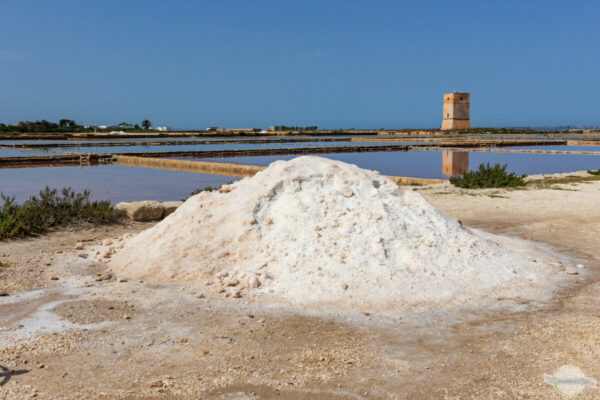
(455, 162)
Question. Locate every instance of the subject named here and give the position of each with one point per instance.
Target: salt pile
(321, 233)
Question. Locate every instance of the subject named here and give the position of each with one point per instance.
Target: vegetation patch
(548, 183)
(68, 126)
(487, 176)
(51, 209)
(594, 171)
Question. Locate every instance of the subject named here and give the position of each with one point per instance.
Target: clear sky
(335, 64)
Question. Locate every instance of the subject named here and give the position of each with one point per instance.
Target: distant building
(123, 126)
(457, 111)
(162, 128)
(212, 128)
(274, 128)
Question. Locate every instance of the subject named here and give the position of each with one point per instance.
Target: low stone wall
(236, 170)
(444, 142)
(54, 160)
(583, 142)
(408, 181)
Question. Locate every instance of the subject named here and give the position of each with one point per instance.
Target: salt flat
(164, 340)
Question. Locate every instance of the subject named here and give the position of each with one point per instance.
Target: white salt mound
(313, 232)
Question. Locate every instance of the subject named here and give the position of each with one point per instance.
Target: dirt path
(70, 330)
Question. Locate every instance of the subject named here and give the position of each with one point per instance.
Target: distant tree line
(64, 126)
(298, 128)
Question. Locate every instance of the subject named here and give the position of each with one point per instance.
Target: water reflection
(455, 162)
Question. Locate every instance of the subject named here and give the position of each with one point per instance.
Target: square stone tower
(457, 111)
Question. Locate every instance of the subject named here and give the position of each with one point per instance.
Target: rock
(200, 295)
(170, 207)
(571, 271)
(344, 286)
(157, 384)
(54, 278)
(78, 246)
(253, 282)
(145, 211)
(121, 208)
(122, 280)
(580, 266)
(4, 294)
(233, 282)
(346, 191)
(126, 316)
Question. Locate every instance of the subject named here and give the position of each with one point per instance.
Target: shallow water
(21, 153)
(124, 183)
(428, 164)
(559, 147)
(108, 182)
(205, 147)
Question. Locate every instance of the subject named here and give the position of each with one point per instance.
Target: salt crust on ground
(323, 234)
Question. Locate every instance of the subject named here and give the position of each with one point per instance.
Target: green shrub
(594, 171)
(488, 177)
(51, 209)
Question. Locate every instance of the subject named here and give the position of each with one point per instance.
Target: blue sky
(335, 64)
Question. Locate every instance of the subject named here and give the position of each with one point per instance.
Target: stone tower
(457, 111)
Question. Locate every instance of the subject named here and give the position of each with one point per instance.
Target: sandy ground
(69, 329)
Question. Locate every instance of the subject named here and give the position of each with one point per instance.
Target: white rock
(346, 191)
(253, 282)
